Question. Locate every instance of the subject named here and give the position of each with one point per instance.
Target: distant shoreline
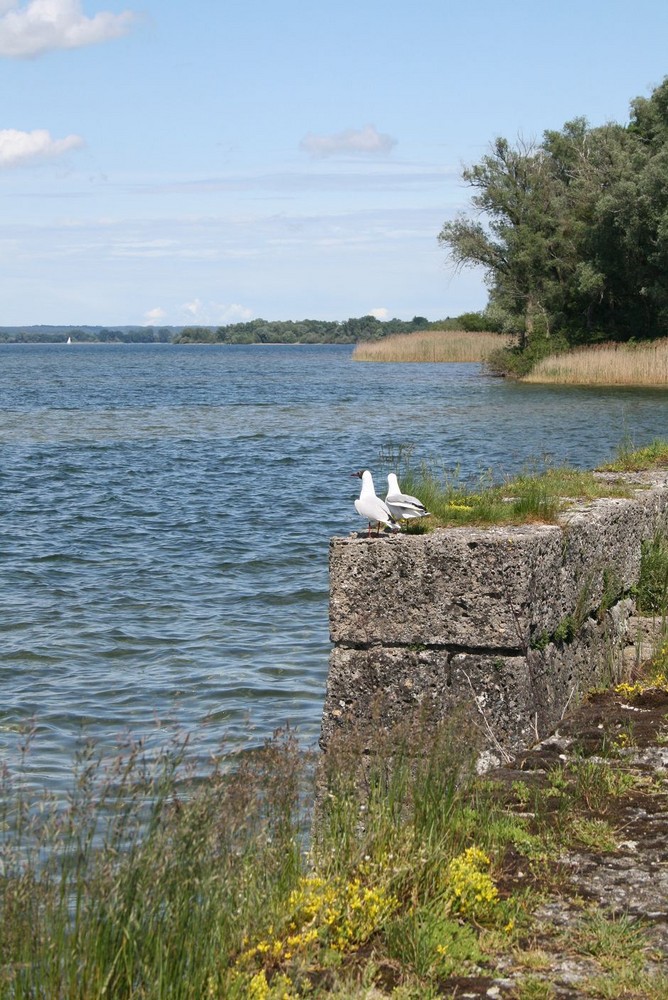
(170, 343)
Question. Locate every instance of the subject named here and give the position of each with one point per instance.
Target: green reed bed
(145, 881)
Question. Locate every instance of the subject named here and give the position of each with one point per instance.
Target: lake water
(166, 513)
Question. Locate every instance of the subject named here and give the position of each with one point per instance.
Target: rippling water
(166, 512)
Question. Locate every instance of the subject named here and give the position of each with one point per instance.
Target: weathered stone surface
(516, 697)
(520, 621)
(462, 586)
(488, 588)
(597, 915)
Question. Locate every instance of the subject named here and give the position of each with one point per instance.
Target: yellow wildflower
(258, 988)
(471, 889)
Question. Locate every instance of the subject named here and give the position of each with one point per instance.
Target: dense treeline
(306, 331)
(257, 331)
(573, 231)
(87, 334)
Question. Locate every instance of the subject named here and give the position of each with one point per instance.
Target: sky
(203, 162)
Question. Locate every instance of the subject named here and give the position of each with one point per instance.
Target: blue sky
(173, 162)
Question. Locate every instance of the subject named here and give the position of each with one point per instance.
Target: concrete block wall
(520, 621)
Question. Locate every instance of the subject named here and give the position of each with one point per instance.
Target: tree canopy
(257, 331)
(572, 232)
(306, 331)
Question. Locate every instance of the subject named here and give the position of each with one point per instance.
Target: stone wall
(519, 621)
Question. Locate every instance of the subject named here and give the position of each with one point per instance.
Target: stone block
(491, 588)
(516, 698)
(517, 621)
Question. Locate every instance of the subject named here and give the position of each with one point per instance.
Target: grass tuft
(630, 459)
(529, 497)
(651, 591)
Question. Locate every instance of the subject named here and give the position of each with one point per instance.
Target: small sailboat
(69, 340)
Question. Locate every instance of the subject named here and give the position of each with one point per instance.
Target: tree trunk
(528, 322)
(546, 317)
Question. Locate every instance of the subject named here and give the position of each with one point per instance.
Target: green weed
(612, 941)
(594, 834)
(630, 459)
(531, 496)
(432, 944)
(595, 783)
(534, 988)
(651, 591)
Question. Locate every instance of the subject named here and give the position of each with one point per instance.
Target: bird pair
(397, 506)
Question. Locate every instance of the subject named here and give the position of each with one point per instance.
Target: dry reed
(431, 345)
(606, 364)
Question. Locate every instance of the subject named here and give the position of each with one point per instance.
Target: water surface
(166, 512)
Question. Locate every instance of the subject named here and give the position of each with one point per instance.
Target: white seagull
(400, 505)
(372, 507)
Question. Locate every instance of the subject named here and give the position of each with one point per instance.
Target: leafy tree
(197, 335)
(517, 244)
(572, 233)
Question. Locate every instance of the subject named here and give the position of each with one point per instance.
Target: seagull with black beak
(372, 507)
(402, 506)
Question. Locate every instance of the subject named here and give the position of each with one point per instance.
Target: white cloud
(43, 25)
(145, 248)
(152, 316)
(193, 308)
(215, 313)
(237, 313)
(381, 313)
(361, 175)
(22, 147)
(364, 140)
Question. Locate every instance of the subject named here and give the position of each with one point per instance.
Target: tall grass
(431, 345)
(145, 882)
(606, 364)
(651, 590)
(150, 884)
